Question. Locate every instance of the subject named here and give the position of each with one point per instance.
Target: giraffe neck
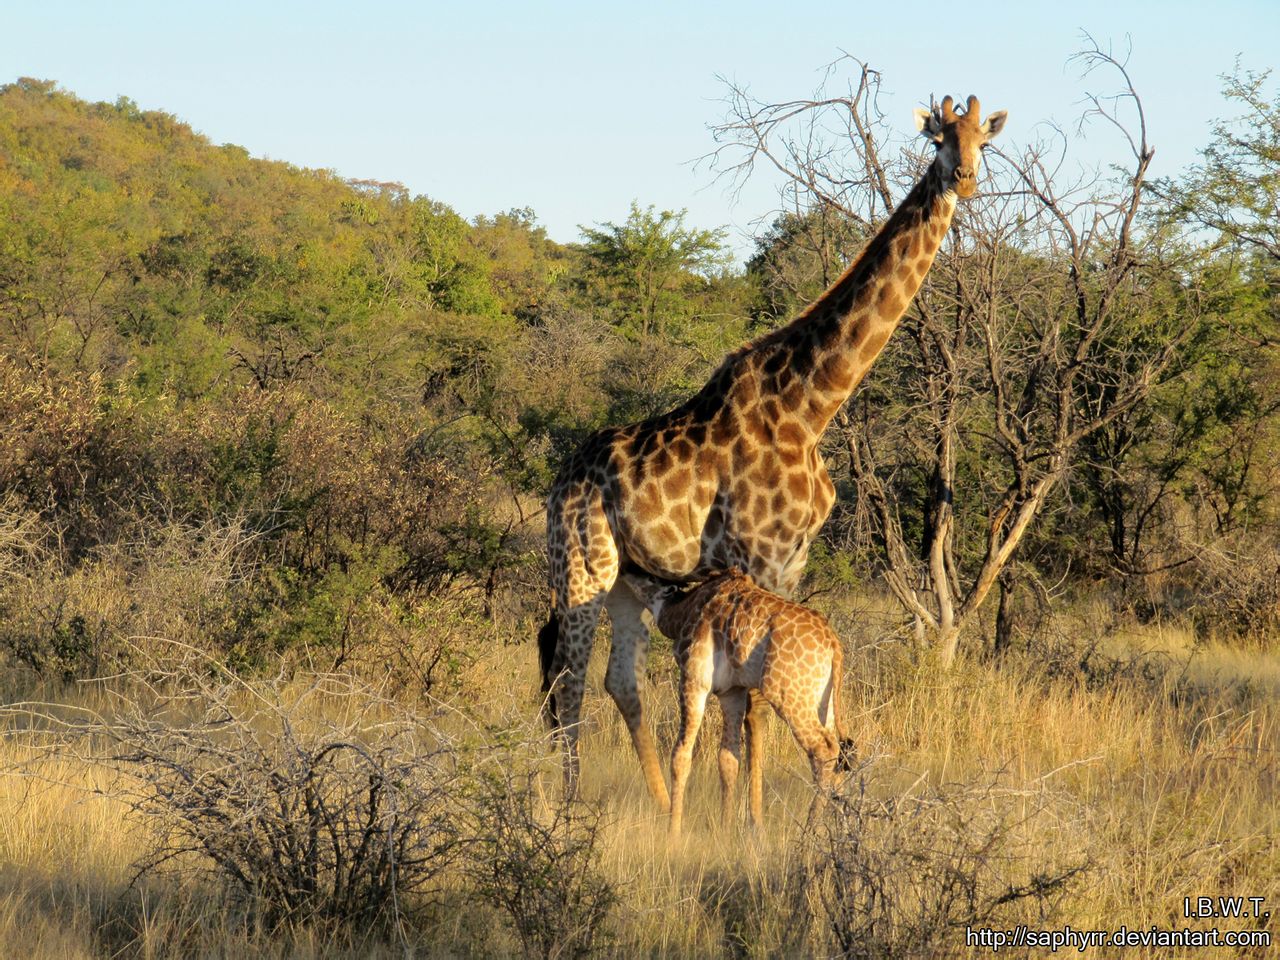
(837, 339)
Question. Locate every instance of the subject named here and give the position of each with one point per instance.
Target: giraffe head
(960, 139)
(663, 596)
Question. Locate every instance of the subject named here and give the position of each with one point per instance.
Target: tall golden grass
(1155, 766)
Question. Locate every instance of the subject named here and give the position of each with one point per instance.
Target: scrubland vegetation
(273, 448)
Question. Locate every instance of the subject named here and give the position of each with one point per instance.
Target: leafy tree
(1178, 482)
(454, 272)
(1235, 189)
(800, 256)
(524, 264)
(648, 263)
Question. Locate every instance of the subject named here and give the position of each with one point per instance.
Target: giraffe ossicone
(732, 477)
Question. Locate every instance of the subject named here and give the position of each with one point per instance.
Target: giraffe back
(758, 639)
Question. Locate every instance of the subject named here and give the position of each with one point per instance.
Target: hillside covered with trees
(358, 393)
(324, 405)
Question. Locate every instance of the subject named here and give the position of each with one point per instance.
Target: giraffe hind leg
(569, 677)
(583, 561)
(733, 707)
(822, 748)
(548, 640)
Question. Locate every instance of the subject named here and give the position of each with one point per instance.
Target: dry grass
(1157, 771)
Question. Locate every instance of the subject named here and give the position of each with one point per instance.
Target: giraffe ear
(929, 124)
(995, 123)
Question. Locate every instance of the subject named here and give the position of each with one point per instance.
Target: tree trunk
(1004, 613)
(946, 645)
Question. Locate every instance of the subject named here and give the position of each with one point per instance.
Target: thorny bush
(538, 863)
(310, 802)
(902, 876)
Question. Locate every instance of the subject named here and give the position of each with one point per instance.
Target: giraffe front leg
(627, 656)
(756, 714)
(733, 705)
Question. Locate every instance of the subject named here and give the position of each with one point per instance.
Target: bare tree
(1048, 316)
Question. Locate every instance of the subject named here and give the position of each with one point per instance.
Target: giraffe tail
(847, 755)
(548, 640)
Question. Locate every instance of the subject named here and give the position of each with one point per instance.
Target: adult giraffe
(732, 477)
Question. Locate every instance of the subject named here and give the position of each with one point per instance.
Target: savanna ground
(1094, 781)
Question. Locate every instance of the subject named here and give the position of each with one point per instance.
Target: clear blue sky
(575, 109)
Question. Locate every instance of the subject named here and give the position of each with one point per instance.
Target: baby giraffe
(731, 638)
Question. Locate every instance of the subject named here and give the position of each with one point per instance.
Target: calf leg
(694, 692)
(822, 748)
(733, 705)
(756, 714)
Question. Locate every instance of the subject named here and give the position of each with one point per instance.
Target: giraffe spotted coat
(732, 477)
(731, 638)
